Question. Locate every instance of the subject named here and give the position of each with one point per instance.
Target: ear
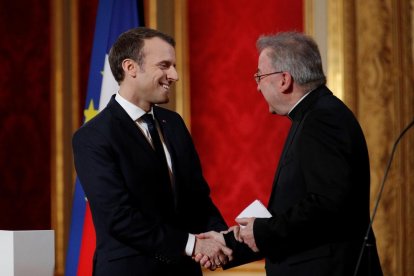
(286, 83)
(130, 67)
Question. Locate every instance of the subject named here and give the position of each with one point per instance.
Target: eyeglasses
(258, 77)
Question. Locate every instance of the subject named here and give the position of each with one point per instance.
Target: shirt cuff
(189, 248)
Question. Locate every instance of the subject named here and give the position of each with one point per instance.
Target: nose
(172, 74)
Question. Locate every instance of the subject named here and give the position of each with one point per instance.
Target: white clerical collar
(301, 99)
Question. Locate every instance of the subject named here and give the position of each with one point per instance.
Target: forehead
(157, 48)
(264, 60)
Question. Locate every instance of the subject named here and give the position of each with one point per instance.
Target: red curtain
(25, 115)
(239, 142)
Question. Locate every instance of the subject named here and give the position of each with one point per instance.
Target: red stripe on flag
(88, 245)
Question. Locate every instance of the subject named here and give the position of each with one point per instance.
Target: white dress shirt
(136, 113)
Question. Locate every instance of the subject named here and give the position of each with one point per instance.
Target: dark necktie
(155, 137)
(158, 147)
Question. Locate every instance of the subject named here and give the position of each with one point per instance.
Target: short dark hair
(129, 45)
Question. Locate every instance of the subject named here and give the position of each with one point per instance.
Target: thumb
(228, 252)
(202, 236)
(242, 221)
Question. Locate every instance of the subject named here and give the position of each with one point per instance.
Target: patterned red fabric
(25, 100)
(239, 142)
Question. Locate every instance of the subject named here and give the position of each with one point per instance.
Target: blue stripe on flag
(100, 40)
(113, 18)
(121, 22)
(76, 229)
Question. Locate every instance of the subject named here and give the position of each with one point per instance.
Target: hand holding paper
(256, 209)
(246, 220)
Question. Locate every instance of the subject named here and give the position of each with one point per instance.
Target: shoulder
(331, 121)
(165, 112)
(168, 115)
(329, 110)
(95, 126)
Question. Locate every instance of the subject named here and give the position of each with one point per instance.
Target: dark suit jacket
(141, 220)
(320, 197)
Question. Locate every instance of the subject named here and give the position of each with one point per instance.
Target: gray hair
(297, 54)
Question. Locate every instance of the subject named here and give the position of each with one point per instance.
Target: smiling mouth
(165, 86)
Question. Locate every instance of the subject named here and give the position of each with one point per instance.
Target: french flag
(113, 18)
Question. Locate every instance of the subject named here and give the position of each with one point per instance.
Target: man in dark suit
(141, 173)
(320, 197)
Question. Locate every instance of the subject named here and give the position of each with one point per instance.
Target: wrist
(190, 246)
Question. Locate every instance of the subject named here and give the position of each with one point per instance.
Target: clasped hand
(211, 251)
(210, 248)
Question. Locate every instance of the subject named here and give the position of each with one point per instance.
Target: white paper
(255, 209)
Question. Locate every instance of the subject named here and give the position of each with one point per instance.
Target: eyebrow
(166, 63)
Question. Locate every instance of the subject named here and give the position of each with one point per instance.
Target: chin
(164, 101)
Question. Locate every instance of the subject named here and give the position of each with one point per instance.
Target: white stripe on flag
(109, 85)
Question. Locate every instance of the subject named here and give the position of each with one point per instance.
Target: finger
(233, 227)
(204, 261)
(223, 259)
(217, 262)
(227, 251)
(206, 264)
(198, 257)
(237, 236)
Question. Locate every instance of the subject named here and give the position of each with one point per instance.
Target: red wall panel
(239, 142)
(24, 115)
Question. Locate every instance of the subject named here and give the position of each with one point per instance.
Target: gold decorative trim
(171, 17)
(64, 119)
(335, 74)
(151, 14)
(57, 133)
(309, 17)
(182, 86)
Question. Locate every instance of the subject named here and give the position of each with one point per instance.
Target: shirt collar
(301, 99)
(131, 109)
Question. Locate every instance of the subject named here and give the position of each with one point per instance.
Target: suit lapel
(168, 135)
(129, 127)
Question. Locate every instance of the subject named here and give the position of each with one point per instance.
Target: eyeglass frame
(258, 77)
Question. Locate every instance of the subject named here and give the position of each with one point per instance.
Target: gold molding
(57, 132)
(308, 14)
(335, 74)
(64, 119)
(341, 50)
(182, 86)
(151, 12)
(171, 17)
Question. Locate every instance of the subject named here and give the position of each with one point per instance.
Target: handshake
(210, 248)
